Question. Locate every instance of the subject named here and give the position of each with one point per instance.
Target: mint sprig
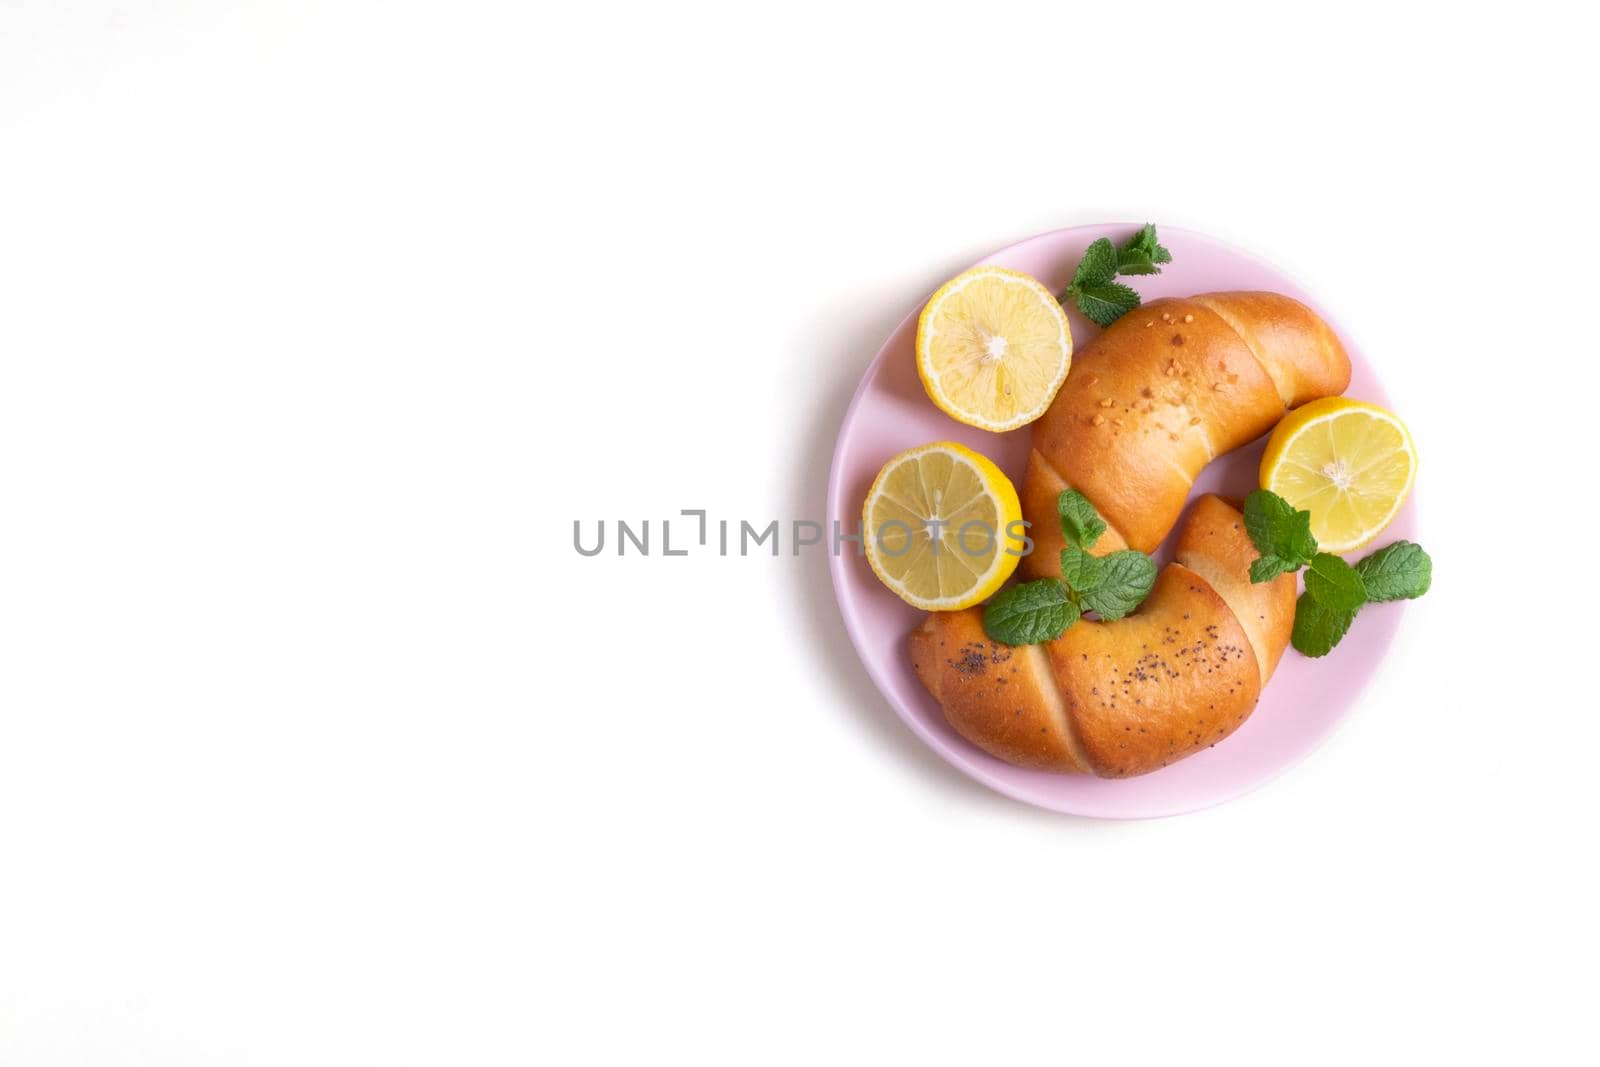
(1141, 253)
(1335, 591)
(1110, 586)
(1094, 287)
(1280, 533)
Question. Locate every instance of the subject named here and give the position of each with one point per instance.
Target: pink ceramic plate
(1305, 699)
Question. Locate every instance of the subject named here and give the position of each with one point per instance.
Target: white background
(319, 325)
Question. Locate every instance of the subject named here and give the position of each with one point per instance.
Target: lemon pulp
(937, 525)
(1351, 464)
(993, 347)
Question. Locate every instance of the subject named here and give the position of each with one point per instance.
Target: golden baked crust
(1126, 697)
(998, 697)
(1150, 689)
(1159, 394)
(1213, 543)
(1298, 350)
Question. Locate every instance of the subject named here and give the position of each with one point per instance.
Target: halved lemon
(993, 347)
(942, 527)
(1347, 462)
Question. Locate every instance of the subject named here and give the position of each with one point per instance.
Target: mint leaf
(1135, 262)
(1105, 303)
(1334, 584)
(1317, 627)
(1269, 567)
(1142, 251)
(1081, 524)
(1029, 613)
(1277, 529)
(1265, 512)
(1097, 267)
(1402, 571)
(1144, 240)
(1080, 570)
(1094, 288)
(1335, 591)
(1125, 580)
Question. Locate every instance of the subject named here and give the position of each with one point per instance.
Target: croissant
(1158, 395)
(1117, 699)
